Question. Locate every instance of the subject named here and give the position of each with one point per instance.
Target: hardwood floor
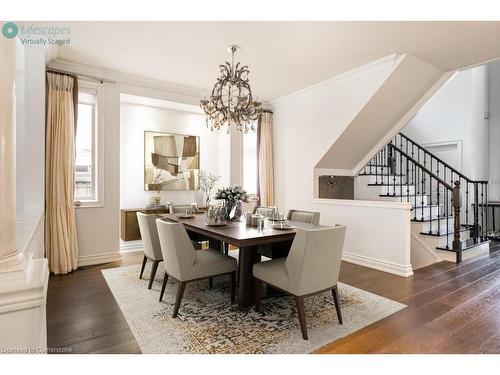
(451, 309)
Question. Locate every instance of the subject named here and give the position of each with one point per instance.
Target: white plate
(283, 227)
(216, 224)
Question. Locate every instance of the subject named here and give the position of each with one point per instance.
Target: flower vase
(236, 215)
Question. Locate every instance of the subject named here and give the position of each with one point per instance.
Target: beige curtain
(60, 225)
(265, 162)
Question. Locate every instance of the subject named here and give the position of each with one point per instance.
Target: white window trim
(98, 153)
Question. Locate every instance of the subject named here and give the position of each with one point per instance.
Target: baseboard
(131, 246)
(377, 264)
(91, 260)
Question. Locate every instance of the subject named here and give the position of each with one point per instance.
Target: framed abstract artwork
(171, 161)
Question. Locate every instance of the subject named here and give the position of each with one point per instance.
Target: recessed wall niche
(336, 187)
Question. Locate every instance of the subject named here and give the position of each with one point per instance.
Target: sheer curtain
(60, 225)
(265, 159)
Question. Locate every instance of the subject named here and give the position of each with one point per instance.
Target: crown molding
(126, 79)
(389, 61)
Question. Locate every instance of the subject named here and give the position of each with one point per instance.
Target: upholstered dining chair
(180, 208)
(304, 216)
(312, 267)
(185, 264)
(197, 239)
(151, 244)
(263, 210)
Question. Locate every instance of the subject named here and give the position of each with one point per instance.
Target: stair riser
(426, 213)
(426, 225)
(406, 190)
(420, 199)
(372, 170)
(440, 241)
(387, 180)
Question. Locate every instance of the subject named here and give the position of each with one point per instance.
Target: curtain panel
(265, 159)
(60, 225)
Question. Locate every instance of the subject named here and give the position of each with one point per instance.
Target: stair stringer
(421, 254)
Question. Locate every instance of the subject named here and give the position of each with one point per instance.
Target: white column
(7, 149)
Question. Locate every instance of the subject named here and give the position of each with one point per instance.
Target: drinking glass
(260, 223)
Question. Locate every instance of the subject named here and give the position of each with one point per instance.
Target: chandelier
(231, 102)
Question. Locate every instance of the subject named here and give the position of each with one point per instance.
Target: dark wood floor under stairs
(451, 309)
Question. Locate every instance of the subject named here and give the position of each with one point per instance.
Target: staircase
(449, 211)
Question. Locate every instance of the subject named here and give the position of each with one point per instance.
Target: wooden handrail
(441, 161)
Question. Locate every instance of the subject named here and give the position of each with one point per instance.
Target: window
(250, 162)
(86, 176)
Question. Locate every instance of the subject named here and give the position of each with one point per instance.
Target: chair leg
(153, 273)
(144, 261)
(178, 297)
(335, 294)
(211, 283)
(299, 302)
(165, 280)
(226, 248)
(258, 293)
(233, 285)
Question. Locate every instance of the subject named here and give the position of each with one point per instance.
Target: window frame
(97, 146)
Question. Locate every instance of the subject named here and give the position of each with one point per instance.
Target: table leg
(247, 258)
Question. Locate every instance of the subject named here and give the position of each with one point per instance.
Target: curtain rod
(84, 76)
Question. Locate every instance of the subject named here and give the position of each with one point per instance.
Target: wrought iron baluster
(447, 220)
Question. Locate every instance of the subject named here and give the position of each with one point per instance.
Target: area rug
(208, 323)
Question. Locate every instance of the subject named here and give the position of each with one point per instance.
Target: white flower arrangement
(233, 193)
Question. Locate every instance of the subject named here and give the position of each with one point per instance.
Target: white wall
(389, 250)
(456, 113)
(308, 123)
(494, 129)
(135, 119)
(98, 227)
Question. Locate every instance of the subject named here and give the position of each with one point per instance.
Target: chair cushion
(211, 262)
(272, 272)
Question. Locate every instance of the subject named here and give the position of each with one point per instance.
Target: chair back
(180, 208)
(304, 216)
(177, 249)
(149, 235)
(263, 210)
(313, 263)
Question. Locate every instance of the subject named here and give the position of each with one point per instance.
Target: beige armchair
(312, 267)
(304, 216)
(151, 243)
(184, 264)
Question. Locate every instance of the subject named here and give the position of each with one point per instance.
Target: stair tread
(436, 234)
(433, 219)
(381, 175)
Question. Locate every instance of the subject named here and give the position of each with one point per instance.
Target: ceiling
(283, 57)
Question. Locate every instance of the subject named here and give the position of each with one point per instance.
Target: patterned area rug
(208, 323)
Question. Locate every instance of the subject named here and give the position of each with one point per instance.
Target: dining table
(245, 237)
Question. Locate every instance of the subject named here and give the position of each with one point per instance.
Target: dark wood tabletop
(247, 239)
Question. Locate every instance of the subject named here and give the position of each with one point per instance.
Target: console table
(129, 227)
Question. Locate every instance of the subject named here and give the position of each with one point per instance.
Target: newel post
(457, 204)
